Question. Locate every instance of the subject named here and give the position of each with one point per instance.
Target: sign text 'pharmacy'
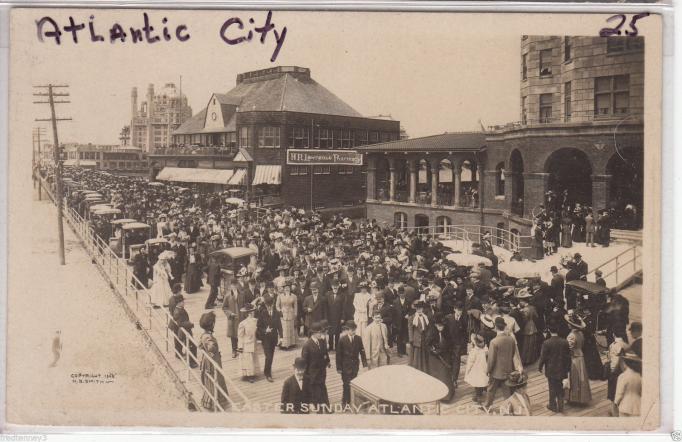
(323, 157)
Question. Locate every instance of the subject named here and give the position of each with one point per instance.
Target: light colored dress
(476, 372)
(161, 289)
(629, 393)
(579, 391)
(360, 303)
(288, 306)
(246, 341)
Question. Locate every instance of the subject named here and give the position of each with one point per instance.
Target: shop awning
(82, 163)
(267, 174)
(239, 178)
(192, 175)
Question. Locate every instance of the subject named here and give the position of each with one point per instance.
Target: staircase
(629, 236)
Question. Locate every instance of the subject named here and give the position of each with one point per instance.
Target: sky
(433, 72)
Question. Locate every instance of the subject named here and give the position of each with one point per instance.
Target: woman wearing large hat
(518, 402)
(246, 344)
(629, 387)
(287, 304)
(579, 383)
(211, 378)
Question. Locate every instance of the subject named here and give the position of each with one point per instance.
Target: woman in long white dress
(287, 304)
(161, 289)
(361, 305)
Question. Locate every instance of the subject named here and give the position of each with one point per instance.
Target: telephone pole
(38, 133)
(50, 95)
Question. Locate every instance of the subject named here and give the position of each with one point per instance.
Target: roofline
(378, 146)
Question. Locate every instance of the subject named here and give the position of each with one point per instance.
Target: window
(360, 138)
(299, 137)
(545, 108)
(373, 137)
(231, 139)
(345, 139)
(567, 101)
(324, 139)
(322, 170)
(611, 95)
(243, 137)
(385, 137)
(400, 220)
(345, 170)
(443, 222)
(621, 44)
(567, 49)
(524, 66)
(524, 110)
(545, 62)
(499, 180)
(268, 137)
(298, 170)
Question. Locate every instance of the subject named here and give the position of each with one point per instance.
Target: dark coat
(292, 394)
(334, 309)
(266, 320)
(347, 354)
(214, 274)
(457, 330)
(318, 312)
(581, 267)
(182, 320)
(555, 358)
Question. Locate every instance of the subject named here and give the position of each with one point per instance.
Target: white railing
(151, 320)
(620, 268)
(473, 233)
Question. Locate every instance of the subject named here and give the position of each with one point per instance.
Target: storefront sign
(323, 157)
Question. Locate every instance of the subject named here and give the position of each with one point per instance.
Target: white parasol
(519, 269)
(167, 254)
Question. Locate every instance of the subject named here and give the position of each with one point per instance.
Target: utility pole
(50, 94)
(38, 132)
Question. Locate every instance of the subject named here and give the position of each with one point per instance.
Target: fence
(468, 234)
(153, 321)
(618, 270)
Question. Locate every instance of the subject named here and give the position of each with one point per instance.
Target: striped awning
(267, 174)
(192, 175)
(239, 178)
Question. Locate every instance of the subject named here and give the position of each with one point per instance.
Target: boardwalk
(266, 394)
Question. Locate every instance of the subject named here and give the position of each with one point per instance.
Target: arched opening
(570, 177)
(423, 182)
(442, 224)
(517, 194)
(626, 168)
(499, 179)
(500, 234)
(402, 177)
(469, 184)
(382, 177)
(400, 220)
(445, 178)
(421, 222)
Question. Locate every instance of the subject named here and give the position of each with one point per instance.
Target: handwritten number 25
(607, 32)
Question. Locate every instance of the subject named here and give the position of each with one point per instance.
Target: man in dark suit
(335, 301)
(580, 266)
(456, 325)
(141, 268)
(269, 331)
(350, 348)
(555, 358)
(214, 277)
(314, 306)
(292, 390)
(502, 353)
(557, 284)
(401, 309)
(316, 357)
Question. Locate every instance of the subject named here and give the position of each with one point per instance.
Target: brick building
(247, 131)
(580, 129)
(120, 160)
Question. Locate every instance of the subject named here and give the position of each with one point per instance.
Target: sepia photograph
(279, 219)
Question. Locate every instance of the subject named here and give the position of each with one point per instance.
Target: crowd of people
(360, 289)
(560, 223)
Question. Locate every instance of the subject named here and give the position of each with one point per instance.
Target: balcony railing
(196, 150)
(632, 116)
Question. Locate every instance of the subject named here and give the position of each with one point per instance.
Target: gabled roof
(449, 141)
(193, 125)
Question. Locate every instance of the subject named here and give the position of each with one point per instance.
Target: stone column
(391, 182)
(601, 191)
(371, 181)
(413, 181)
(435, 165)
(535, 186)
(456, 180)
